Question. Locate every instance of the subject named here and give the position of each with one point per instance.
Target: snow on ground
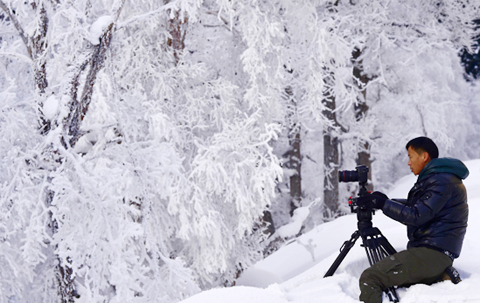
(295, 272)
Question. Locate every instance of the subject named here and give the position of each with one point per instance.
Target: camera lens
(348, 176)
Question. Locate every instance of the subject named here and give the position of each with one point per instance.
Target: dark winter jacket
(436, 210)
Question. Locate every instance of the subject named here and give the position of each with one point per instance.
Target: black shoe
(451, 274)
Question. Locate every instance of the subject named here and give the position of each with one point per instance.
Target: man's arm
(428, 204)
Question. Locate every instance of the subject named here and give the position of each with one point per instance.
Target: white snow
(293, 228)
(98, 28)
(295, 272)
(50, 107)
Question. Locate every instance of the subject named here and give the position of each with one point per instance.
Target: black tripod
(376, 245)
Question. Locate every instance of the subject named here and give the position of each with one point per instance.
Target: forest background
(153, 149)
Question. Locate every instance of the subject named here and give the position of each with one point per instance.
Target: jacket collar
(444, 165)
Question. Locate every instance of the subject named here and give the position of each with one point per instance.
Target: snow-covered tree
(147, 175)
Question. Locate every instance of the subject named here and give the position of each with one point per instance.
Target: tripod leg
(347, 245)
(387, 246)
(375, 254)
(377, 247)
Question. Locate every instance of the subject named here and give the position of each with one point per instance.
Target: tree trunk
(361, 110)
(330, 151)
(177, 29)
(295, 164)
(330, 182)
(294, 156)
(79, 108)
(96, 62)
(39, 45)
(36, 46)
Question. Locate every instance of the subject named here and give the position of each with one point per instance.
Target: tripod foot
(392, 295)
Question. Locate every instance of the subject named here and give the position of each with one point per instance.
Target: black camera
(360, 175)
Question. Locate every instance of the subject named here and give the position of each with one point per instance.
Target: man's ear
(425, 157)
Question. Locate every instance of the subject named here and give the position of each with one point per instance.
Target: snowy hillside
(295, 272)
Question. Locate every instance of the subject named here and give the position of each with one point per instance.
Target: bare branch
(19, 28)
(79, 108)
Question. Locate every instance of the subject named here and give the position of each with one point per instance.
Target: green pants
(411, 266)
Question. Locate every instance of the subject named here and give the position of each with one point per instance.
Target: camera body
(360, 175)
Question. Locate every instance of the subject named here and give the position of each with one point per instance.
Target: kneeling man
(435, 213)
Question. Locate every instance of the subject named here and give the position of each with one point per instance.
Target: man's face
(417, 161)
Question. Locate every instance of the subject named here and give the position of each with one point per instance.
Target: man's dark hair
(424, 144)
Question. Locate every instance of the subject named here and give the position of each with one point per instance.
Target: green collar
(444, 165)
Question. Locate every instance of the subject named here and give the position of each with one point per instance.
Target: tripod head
(364, 213)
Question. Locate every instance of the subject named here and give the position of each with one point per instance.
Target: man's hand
(375, 200)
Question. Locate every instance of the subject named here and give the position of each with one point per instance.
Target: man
(435, 214)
